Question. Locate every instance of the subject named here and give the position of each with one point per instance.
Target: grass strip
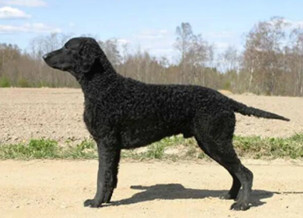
(171, 148)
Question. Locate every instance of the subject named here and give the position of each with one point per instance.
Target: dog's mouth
(46, 58)
(55, 63)
(49, 60)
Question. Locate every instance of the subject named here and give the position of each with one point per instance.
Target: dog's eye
(70, 47)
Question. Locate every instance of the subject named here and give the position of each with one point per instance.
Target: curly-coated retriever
(122, 113)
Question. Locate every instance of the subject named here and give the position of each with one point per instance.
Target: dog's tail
(245, 110)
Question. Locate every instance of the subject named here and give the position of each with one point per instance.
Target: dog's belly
(137, 136)
(135, 139)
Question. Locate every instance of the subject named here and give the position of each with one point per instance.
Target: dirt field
(57, 114)
(56, 188)
(158, 189)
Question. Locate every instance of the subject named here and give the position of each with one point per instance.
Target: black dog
(121, 113)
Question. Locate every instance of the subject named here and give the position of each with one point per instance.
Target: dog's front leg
(109, 157)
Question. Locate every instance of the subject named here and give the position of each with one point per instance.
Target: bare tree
(271, 62)
(229, 60)
(294, 64)
(9, 57)
(262, 55)
(184, 40)
(110, 48)
(46, 76)
(194, 52)
(44, 44)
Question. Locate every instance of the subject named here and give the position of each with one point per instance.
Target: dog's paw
(108, 196)
(240, 206)
(91, 203)
(228, 196)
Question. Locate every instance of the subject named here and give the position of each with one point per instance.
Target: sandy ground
(56, 188)
(51, 188)
(57, 114)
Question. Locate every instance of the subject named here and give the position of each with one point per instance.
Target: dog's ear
(87, 62)
(90, 58)
(87, 65)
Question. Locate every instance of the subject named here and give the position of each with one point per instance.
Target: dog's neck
(98, 83)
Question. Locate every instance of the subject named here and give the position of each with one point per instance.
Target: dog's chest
(91, 118)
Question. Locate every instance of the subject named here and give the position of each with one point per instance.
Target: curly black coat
(122, 113)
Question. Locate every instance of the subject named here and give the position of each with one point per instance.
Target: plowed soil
(57, 188)
(57, 114)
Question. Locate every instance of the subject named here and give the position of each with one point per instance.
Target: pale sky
(148, 25)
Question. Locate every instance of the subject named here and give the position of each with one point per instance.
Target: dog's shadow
(178, 191)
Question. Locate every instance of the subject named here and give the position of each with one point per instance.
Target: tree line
(271, 62)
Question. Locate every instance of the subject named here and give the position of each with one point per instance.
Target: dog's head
(78, 56)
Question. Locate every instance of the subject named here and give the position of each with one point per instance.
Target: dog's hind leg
(214, 135)
(109, 157)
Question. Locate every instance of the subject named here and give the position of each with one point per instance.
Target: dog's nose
(45, 56)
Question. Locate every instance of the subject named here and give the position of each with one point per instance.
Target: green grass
(256, 147)
(48, 149)
(171, 148)
(23, 83)
(4, 82)
(35, 149)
